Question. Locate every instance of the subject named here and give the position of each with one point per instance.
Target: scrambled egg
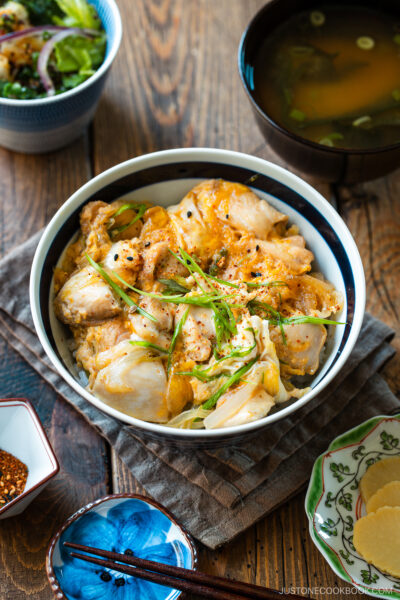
(189, 315)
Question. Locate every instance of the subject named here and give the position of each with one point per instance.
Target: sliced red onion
(45, 54)
(42, 29)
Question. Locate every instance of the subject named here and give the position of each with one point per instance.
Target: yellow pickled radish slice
(377, 539)
(378, 475)
(388, 495)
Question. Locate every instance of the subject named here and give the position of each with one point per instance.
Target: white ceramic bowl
(22, 435)
(163, 178)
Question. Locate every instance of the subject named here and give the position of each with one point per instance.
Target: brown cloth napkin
(217, 493)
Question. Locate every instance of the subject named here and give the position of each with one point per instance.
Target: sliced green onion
(330, 138)
(365, 42)
(267, 284)
(177, 331)
(119, 290)
(146, 344)
(212, 401)
(198, 300)
(317, 18)
(396, 95)
(310, 319)
(140, 210)
(297, 115)
(174, 286)
(361, 120)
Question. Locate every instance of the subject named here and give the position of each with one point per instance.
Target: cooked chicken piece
(13, 16)
(245, 212)
(197, 332)
(86, 299)
(93, 340)
(215, 212)
(313, 295)
(133, 384)
(192, 230)
(243, 404)
(290, 252)
(304, 343)
(124, 258)
(158, 262)
(4, 68)
(157, 333)
(95, 219)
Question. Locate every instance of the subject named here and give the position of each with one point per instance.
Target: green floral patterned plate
(333, 501)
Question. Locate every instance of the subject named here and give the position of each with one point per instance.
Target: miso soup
(332, 76)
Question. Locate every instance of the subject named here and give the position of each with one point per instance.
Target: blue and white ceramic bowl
(125, 524)
(164, 178)
(46, 124)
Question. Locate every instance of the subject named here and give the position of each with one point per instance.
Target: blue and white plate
(127, 524)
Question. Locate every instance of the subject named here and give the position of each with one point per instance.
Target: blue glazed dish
(121, 523)
(46, 124)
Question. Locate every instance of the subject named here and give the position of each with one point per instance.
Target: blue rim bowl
(164, 178)
(123, 523)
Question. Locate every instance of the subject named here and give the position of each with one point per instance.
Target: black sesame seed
(147, 244)
(129, 258)
(105, 576)
(248, 249)
(226, 216)
(189, 214)
(115, 256)
(188, 262)
(257, 247)
(128, 552)
(257, 274)
(120, 581)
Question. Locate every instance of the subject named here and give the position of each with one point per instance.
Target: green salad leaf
(78, 13)
(80, 55)
(42, 12)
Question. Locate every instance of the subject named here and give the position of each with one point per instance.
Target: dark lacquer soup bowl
(331, 164)
(164, 178)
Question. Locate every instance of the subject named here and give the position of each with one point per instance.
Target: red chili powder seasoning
(13, 476)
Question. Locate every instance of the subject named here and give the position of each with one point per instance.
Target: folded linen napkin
(227, 489)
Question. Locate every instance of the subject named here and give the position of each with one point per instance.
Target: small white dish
(22, 435)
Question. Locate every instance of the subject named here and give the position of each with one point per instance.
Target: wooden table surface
(175, 83)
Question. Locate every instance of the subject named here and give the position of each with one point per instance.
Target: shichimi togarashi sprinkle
(13, 477)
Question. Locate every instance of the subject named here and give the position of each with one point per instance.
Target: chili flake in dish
(204, 314)
(13, 477)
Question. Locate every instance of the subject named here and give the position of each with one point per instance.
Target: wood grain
(33, 187)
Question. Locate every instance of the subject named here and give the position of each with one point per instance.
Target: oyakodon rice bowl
(186, 305)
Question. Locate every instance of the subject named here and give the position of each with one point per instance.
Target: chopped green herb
(140, 210)
(146, 344)
(173, 285)
(177, 332)
(119, 290)
(212, 401)
(297, 115)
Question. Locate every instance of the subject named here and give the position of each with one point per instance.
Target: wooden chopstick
(208, 586)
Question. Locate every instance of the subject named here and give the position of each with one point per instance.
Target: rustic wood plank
(174, 84)
(33, 187)
(372, 212)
